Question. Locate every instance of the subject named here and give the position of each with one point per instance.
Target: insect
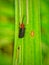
(21, 29)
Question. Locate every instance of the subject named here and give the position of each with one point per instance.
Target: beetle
(21, 29)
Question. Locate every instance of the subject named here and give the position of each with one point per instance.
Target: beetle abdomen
(21, 32)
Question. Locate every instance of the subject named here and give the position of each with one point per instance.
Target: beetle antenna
(23, 19)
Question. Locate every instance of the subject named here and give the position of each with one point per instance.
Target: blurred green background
(34, 46)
